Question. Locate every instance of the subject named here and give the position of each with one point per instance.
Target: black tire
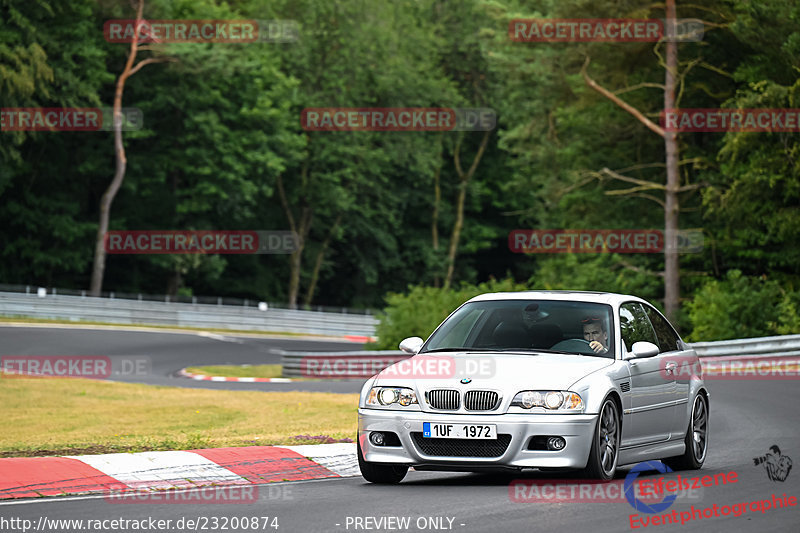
(383, 473)
(696, 438)
(604, 453)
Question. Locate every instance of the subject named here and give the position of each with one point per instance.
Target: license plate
(459, 431)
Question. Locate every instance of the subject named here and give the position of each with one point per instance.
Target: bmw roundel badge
(466, 380)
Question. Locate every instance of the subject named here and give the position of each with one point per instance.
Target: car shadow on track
(500, 478)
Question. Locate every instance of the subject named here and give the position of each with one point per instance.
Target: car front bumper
(576, 429)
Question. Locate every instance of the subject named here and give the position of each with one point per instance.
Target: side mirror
(644, 349)
(412, 345)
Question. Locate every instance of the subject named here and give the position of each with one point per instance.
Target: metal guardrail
(783, 345)
(352, 365)
(118, 311)
(165, 298)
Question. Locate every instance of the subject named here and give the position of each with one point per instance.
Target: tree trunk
(672, 187)
(671, 265)
(107, 199)
(464, 178)
(456, 235)
(301, 229)
(312, 285)
(437, 201)
(99, 265)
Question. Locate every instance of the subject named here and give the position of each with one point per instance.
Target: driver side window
(634, 325)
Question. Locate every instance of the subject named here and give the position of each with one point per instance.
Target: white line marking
(339, 458)
(160, 470)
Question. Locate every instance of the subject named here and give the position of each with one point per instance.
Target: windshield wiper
(538, 350)
(464, 349)
(544, 350)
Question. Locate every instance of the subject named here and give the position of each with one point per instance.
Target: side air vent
(625, 386)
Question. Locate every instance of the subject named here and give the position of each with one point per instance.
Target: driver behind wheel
(595, 333)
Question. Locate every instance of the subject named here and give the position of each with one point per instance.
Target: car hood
(507, 371)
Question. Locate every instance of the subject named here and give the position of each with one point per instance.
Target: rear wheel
(696, 439)
(605, 443)
(380, 472)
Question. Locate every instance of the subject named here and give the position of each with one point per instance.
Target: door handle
(670, 366)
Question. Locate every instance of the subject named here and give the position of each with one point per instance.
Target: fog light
(376, 438)
(556, 443)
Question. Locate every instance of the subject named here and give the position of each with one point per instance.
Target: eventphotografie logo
(777, 466)
(666, 490)
(68, 119)
(397, 119)
(621, 241)
(738, 120)
(605, 30)
(201, 31)
(201, 242)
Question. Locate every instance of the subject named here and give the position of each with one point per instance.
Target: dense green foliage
(418, 312)
(741, 307)
(222, 133)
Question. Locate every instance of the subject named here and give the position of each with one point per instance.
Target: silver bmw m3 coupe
(537, 379)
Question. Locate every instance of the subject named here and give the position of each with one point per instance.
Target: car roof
(610, 298)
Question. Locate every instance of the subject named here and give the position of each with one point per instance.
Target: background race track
(170, 352)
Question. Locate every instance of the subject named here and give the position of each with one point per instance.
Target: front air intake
(481, 400)
(444, 399)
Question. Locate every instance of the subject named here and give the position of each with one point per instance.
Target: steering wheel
(573, 345)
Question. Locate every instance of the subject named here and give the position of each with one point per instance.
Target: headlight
(550, 400)
(384, 396)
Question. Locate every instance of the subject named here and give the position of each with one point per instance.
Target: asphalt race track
(747, 418)
(169, 352)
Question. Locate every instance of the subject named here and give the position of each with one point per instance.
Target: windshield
(527, 325)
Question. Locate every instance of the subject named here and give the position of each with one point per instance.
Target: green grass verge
(63, 416)
(239, 371)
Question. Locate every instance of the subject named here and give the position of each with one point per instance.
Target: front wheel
(380, 473)
(696, 439)
(605, 444)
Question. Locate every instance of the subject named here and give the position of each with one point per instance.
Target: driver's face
(529, 319)
(593, 332)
